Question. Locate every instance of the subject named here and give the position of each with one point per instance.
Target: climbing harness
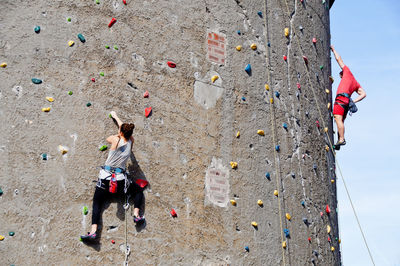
(351, 106)
(267, 56)
(329, 140)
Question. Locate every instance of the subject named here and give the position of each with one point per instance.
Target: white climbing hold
(62, 149)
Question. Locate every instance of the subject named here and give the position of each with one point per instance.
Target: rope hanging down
(267, 56)
(330, 142)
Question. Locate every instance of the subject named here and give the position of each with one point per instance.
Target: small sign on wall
(217, 184)
(216, 47)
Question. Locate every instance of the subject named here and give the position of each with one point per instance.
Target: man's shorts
(339, 110)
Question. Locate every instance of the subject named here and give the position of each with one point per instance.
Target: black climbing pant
(102, 194)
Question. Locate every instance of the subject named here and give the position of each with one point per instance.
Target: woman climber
(113, 178)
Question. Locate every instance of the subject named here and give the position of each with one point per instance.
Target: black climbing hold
(293, 174)
(305, 220)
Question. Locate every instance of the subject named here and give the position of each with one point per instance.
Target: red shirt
(348, 84)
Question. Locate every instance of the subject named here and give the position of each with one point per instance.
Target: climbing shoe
(89, 237)
(338, 144)
(139, 219)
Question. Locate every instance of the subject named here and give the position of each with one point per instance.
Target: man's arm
(362, 94)
(337, 57)
(114, 115)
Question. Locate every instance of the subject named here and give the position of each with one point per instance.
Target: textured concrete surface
(192, 129)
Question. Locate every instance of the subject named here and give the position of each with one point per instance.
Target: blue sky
(366, 33)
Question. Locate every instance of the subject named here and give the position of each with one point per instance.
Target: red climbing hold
(329, 239)
(171, 64)
(298, 86)
(113, 241)
(314, 40)
(305, 59)
(285, 57)
(173, 213)
(93, 80)
(317, 123)
(142, 183)
(309, 239)
(147, 111)
(327, 209)
(112, 22)
(146, 94)
(124, 2)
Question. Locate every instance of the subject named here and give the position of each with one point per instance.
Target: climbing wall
(235, 146)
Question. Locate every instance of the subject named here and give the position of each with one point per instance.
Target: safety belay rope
(327, 136)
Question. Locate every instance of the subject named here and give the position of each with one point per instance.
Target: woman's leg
(99, 197)
(137, 194)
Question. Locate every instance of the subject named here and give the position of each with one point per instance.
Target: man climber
(346, 87)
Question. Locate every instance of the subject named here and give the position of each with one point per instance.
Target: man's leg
(340, 126)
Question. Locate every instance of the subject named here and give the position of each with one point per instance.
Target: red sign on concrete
(216, 48)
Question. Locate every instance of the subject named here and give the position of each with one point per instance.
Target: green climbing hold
(1, 191)
(88, 104)
(115, 47)
(97, 2)
(110, 116)
(36, 81)
(11, 233)
(103, 148)
(107, 46)
(37, 29)
(81, 38)
(321, 67)
(44, 156)
(102, 74)
(85, 210)
(70, 93)
(69, 19)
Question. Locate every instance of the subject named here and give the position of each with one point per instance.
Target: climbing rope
(329, 140)
(272, 110)
(127, 247)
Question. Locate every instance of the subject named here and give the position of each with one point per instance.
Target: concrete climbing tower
(236, 143)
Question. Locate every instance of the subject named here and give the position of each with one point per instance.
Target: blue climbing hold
(277, 94)
(243, 99)
(247, 248)
(248, 69)
(36, 81)
(267, 175)
(238, 32)
(269, 44)
(315, 166)
(284, 125)
(286, 232)
(259, 13)
(277, 148)
(37, 29)
(303, 203)
(81, 38)
(305, 220)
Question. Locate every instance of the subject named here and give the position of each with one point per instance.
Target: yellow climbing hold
(233, 202)
(286, 32)
(326, 147)
(260, 132)
(332, 249)
(71, 43)
(46, 109)
(328, 229)
(326, 130)
(327, 91)
(214, 78)
(50, 99)
(3, 65)
(340, 241)
(276, 192)
(254, 224)
(332, 181)
(1, 237)
(253, 46)
(260, 202)
(267, 87)
(329, 105)
(284, 244)
(239, 47)
(62, 149)
(331, 79)
(234, 165)
(288, 216)
(271, 100)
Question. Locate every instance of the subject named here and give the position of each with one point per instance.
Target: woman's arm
(114, 115)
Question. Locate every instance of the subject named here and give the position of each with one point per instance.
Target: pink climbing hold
(112, 22)
(146, 94)
(142, 183)
(173, 213)
(329, 239)
(317, 123)
(327, 210)
(314, 40)
(147, 111)
(285, 57)
(298, 86)
(322, 214)
(93, 80)
(171, 64)
(305, 58)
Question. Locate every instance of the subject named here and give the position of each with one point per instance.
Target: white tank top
(117, 158)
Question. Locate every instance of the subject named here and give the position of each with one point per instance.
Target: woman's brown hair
(127, 130)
